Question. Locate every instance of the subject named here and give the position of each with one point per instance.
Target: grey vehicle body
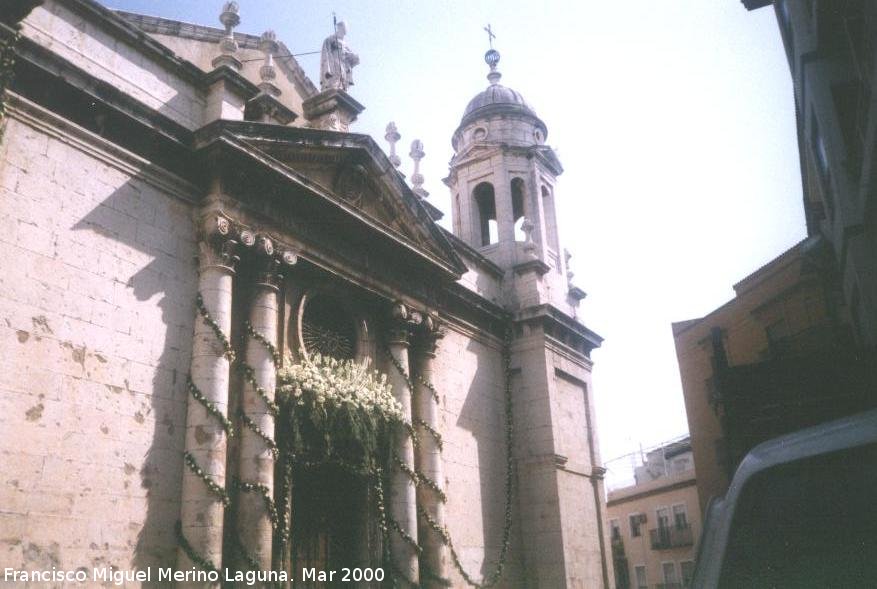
(800, 512)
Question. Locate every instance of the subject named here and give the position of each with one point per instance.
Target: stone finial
(417, 154)
(529, 247)
(392, 138)
(230, 18)
(268, 73)
(492, 58)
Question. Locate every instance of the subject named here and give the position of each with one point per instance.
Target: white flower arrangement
(330, 384)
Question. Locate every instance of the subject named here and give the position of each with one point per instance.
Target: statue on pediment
(337, 61)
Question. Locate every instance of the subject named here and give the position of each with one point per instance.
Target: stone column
(429, 459)
(257, 447)
(201, 512)
(403, 503)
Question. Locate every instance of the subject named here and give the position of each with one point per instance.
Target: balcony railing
(672, 536)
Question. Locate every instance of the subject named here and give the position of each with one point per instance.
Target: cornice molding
(45, 121)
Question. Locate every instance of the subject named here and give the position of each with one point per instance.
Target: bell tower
(502, 180)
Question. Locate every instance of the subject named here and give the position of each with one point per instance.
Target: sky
(674, 122)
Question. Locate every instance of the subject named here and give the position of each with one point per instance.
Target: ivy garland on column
(249, 375)
(420, 478)
(211, 408)
(241, 486)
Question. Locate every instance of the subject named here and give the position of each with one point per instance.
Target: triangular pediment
(351, 170)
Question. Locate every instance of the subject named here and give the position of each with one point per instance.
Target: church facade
(205, 274)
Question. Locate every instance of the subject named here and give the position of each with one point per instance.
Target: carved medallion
(351, 184)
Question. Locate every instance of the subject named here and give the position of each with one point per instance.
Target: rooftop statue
(337, 61)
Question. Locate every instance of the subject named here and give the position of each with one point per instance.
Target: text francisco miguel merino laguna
(120, 577)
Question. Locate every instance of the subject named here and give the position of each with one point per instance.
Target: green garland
(272, 349)
(265, 493)
(227, 349)
(248, 558)
(413, 390)
(439, 442)
(211, 408)
(203, 563)
(214, 488)
(284, 525)
(419, 477)
(249, 374)
(430, 387)
(254, 427)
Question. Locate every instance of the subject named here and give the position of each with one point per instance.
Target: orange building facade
(777, 357)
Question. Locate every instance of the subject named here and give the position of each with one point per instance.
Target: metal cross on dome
(490, 35)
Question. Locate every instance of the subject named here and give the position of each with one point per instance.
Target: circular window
(479, 134)
(326, 328)
(538, 136)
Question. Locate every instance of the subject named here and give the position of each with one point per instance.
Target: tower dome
(496, 95)
(482, 119)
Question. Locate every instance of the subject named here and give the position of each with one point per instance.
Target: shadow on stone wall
(124, 218)
(483, 414)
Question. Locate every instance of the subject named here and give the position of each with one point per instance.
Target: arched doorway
(333, 519)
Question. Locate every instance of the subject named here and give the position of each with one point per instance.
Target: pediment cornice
(347, 171)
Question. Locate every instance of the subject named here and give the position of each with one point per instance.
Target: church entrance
(332, 527)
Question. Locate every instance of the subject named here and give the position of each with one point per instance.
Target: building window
(680, 515)
(636, 522)
(639, 572)
(669, 571)
(663, 518)
(615, 527)
(687, 567)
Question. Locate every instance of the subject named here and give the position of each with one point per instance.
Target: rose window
(326, 328)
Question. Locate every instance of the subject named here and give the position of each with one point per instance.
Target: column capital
(403, 320)
(271, 261)
(220, 242)
(430, 331)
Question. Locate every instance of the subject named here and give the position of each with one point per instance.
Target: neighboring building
(669, 459)
(778, 357)
(832, 58)
(655, 524)
(795, 347)
(161, 179)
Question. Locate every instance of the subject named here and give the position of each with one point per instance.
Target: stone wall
(108, 57)
(470, 380)
(96, 299)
